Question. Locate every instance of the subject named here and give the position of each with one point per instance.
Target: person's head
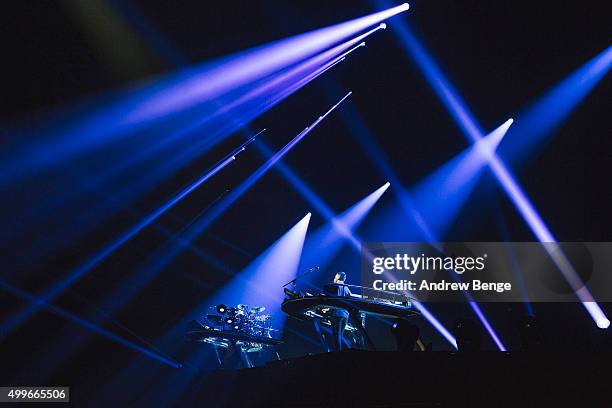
(340, 277)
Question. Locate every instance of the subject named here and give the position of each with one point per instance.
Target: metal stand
(356, 320)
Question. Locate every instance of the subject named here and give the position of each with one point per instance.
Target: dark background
(500, 55)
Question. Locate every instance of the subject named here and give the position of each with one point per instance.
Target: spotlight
(468, 335)
(406, 335)
(603, 323)
(221, 308)
(383, 26)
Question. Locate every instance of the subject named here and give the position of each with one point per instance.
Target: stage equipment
(256, 283)
(432, 204)
(324, 309)
(293, 281)
(250, 286)
(240, 329)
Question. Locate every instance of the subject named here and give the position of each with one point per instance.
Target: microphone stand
(315, 268)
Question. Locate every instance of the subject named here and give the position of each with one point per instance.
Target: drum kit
(247, 323)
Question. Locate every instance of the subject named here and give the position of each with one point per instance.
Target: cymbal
(242, 306)
(258, 309)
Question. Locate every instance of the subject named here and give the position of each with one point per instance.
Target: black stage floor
(391, 379)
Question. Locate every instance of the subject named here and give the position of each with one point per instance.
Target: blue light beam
(83, 323)
(147, 104)
(467, 123)
(164, 259)
(441, 195)
(325, 243)
(259, 284)
(450, 186)
(538, 121)
(59, 287)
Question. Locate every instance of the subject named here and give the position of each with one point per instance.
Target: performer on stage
(339, 279)
(345, 312)
(338, 317)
